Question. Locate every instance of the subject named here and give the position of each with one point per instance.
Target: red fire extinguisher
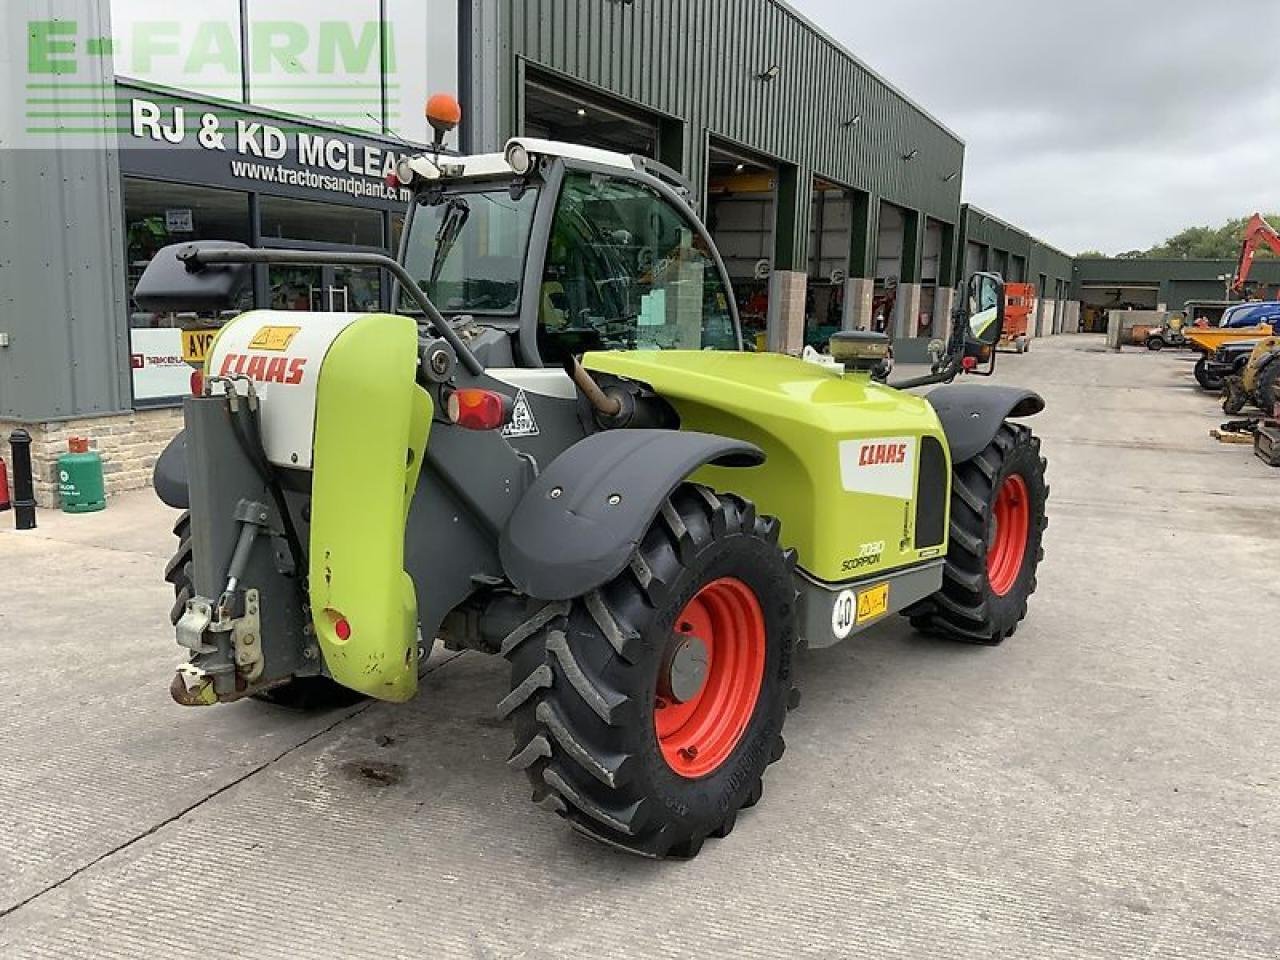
(5, 502)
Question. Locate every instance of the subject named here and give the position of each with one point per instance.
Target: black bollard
(24, 496)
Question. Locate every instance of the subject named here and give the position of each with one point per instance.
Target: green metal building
(1101, 285)
(834, 197)
(988, 243)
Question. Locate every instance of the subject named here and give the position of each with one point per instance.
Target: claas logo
(287, 370)
(875, 454)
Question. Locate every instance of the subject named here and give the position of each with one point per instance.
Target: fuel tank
(858, 473)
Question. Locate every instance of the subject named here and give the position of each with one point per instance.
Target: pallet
(1267, 443)
(1226, 436)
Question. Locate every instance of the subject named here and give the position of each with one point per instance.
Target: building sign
(155, 360)
(221, 147)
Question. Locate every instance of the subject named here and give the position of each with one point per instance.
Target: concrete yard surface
(1106, 784)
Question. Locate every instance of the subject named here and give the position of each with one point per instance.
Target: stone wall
(129, 444)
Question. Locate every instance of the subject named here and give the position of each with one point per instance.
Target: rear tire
(600, 731)
(300, 693)
(997, 528)
(1155, 343)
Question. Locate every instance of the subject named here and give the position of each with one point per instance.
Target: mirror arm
(954, 358)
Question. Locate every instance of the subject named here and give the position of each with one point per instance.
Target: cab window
(626, 270)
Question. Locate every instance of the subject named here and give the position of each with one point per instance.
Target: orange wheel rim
(1011, 521)
(719, 643)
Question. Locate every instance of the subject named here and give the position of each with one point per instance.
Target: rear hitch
(224, 637)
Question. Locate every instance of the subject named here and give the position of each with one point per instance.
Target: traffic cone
(5, 502)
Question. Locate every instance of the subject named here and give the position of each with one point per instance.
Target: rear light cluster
(475, 409)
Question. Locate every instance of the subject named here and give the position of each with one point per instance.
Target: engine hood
(843, 453)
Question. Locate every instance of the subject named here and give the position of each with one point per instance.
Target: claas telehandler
(559, 452)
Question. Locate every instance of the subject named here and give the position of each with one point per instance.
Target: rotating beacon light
(444, 114)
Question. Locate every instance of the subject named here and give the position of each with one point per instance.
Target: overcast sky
(1092, 124)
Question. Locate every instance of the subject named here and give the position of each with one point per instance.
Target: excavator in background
(1256, 234)
(1255, 382)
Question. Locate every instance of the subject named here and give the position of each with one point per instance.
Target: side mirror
(984, 314)
(172, 284)
(986, 308)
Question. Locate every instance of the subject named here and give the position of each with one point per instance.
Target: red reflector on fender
(970, 363)
(341, 626)
(197, 383)
(475, 409)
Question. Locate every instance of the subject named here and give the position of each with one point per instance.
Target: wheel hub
(685, 672)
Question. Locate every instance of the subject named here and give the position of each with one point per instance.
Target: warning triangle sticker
(522, 422)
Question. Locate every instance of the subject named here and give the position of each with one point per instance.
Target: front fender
(579, 524)
(972, 413)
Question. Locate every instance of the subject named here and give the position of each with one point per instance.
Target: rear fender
(371, 427)
(578, 525)
(972, 414)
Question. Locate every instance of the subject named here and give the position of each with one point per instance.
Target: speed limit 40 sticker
(844, 614)
(852, 609)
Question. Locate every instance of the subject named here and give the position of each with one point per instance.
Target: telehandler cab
(559, 452)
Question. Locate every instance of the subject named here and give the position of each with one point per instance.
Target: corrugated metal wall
(699, 61)
(987, 230)
(1120, 272)
(62, 298)
(1177, 280)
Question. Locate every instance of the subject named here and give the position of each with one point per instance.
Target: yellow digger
(1257, 383)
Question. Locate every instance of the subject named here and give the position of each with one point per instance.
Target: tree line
(1194, 243)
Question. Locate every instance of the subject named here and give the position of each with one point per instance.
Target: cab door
(628, 266)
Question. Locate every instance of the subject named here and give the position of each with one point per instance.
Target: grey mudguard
(170, 474)
(972, 413)
(579, 524)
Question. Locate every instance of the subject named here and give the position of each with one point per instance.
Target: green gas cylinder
(80, 478)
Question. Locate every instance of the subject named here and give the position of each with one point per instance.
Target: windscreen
(467, 250)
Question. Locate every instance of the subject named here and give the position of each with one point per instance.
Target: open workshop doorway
(932, 274)
(1097, 302)
(557, 112)
(742, 213)
(830, 222)
(890, 245)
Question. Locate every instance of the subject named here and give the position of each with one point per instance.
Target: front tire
(1267, 391)
(1155, 343)
(1207, 382)
(997, 527)
(646, 712)
(1234, 397)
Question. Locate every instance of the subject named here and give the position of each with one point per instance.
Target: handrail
(195, 256)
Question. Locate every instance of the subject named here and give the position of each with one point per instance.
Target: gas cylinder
(80, 478)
